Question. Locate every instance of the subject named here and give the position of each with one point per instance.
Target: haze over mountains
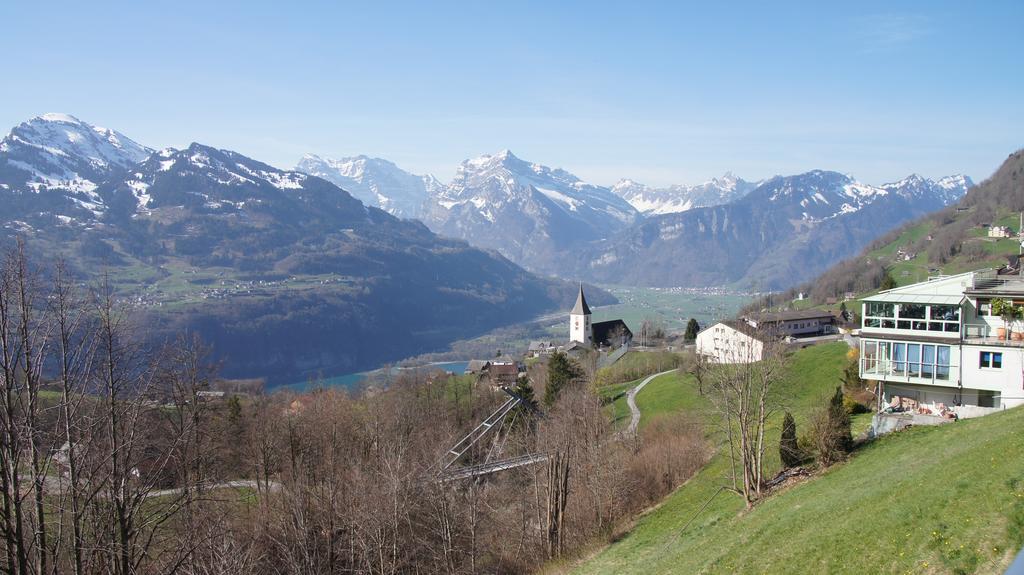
(728, 231)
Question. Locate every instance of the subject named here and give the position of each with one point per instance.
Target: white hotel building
(936, 341)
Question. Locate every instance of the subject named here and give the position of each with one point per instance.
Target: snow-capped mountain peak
(524, 209)
(680, 198)
(374, 181)
(62, 160)
(64, 135)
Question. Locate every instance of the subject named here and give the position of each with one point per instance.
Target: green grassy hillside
(948, 499)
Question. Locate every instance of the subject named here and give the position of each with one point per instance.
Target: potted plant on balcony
(1009, 312)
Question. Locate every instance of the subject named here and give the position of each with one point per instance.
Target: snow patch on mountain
(680, 198)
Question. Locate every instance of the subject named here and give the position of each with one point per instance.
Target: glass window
(888, 323)
(919, 325)
(872, 322)
(912, 310)
(899, 358)
(878, 309)
(953, 327)
(990, 359)
(927, 360)
(913, 359)
(945, 312)
(903, 324)
(984, 307)
(942, 362)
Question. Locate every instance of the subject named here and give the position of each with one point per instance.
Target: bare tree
(742, 393)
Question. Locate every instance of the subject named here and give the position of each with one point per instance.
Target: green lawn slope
(947, 499)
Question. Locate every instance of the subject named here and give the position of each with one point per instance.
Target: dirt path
(634, 421)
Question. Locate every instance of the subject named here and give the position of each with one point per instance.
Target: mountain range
(784, 231)
(217, 208)
(284, 273)
(768, 234)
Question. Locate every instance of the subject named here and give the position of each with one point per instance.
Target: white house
(1000, 232)
(936, 341)
(730, 342)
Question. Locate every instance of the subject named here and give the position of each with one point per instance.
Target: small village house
(731, 341)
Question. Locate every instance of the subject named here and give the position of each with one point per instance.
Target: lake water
(354, 379)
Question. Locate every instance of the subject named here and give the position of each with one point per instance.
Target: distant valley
(286, 274)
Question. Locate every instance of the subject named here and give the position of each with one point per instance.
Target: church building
(611, 333)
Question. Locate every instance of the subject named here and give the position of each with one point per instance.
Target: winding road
(634, 420)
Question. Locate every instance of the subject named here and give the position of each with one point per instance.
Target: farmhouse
(539, 348)
(793, 323)
(503, 373)
(477, 366)
(1000, 232)
(731, 341)
(939, 341)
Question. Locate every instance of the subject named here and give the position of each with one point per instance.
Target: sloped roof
(503, 369)
(791, 315)
(581, 307)
(603, 329)
(477, 365)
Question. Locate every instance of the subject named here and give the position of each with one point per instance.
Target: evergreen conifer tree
(788, 449)
(692, 328)
(888, 282)
(561, 372)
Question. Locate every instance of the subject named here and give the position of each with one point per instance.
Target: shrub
(830, 431)
(789, 451)
(854, 407)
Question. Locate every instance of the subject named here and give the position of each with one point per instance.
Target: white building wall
(723, 344)
(580, 329)
(1007, 381)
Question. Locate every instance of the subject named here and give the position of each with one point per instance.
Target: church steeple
(579, 320)
(581, 307)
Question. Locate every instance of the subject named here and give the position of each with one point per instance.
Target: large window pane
(942, 362)
(899, 358)
(912, 310)
(878, 309)
(946, 312)
(913, 359)
(870, 356)
(927, 360)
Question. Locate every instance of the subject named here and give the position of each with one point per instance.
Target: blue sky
(672, 92)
